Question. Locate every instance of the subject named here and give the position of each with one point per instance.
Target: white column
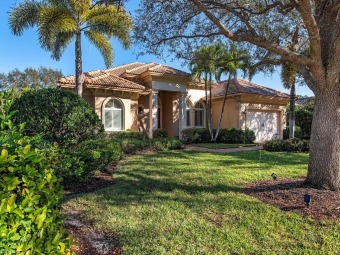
(182, 111)
(154, 110)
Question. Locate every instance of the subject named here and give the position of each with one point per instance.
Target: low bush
(196, 135)
(163, 144)
(132, 146)
(127, 135)
(58, 115)
(160, 133)
(297, 133)
(290, 145)
(81, 161)
(226, 135)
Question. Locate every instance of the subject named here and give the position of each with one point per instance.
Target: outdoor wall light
(274, 175)
(307, 199)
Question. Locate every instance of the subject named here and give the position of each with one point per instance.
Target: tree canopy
(42, 77)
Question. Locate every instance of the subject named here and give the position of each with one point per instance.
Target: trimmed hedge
(226, 135)
(83, 160)
(290, 145)
(58, 115)
(127, 135)
(160, 133)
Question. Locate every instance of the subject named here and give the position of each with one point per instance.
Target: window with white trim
(187, 115)
(113, 115)
(199, 115)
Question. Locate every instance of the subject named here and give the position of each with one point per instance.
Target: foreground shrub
(58, 115)
(30, 196)
(160, 133)
(290, 145)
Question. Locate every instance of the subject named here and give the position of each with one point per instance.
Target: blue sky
(24, 51)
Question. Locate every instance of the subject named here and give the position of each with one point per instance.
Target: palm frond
(24, 16)
(61, 42)
(103, 44)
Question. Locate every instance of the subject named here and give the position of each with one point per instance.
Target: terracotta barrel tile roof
(113, 77)
(238, 86)
(103, 79)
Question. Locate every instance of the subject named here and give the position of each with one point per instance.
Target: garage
(264, 124)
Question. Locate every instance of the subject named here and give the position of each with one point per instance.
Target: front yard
(187, 202)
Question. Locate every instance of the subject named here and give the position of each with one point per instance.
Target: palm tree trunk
(206, 101)
(79, 68)
(222, 110)
(210, 110)
(292, 111)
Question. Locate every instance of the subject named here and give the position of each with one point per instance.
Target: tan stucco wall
(230, 115)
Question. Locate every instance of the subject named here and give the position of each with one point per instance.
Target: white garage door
(264, 124)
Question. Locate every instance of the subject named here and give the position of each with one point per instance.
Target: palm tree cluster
(210, 63)
(60, 22)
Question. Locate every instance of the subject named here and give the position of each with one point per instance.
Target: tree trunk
(222, 110)
(79, 69)
(292, 112)
(324, 162)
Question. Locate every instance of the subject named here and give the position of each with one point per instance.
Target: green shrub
(58, 115)
(290, 145)
(30, 196)
(297, 133)
(304, 118)
(196, 135)
(249, 136)
(160, 133)
(132, 146)
(128, 135)
(81, 161)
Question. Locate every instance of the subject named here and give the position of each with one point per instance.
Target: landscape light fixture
(307, 199)
(274, 175)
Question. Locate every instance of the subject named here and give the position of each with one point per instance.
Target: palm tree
(211, 62)
(230, 62)
(204, 66)
(288, 77)
(60, 22)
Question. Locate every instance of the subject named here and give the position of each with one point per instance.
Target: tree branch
(284, 52)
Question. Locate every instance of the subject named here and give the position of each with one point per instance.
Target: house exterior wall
(231, 117)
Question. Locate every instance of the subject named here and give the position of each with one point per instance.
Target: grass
(222, 145)
(187, 202)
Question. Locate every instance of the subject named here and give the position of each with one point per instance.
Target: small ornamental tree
(58, 115)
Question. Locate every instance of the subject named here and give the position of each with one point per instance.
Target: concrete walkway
(250, 148)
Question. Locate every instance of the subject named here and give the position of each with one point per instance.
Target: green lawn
(187, 202)
(222, 145)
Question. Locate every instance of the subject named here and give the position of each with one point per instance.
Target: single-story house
(144, 97)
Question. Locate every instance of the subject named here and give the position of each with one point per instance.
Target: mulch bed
(89, 241)
(288, 195)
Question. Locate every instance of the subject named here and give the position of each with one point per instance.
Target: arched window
(187, 114)
(113, 115)
(199, 115)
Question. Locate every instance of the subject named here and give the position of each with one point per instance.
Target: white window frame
(201, 110)
(187, 114)
(112, 110)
